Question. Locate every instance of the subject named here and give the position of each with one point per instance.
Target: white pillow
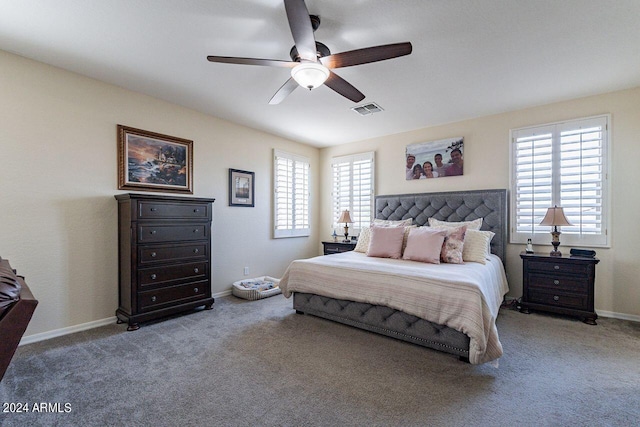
(365, 234)
(477, 246)
(424, 244)
(389, 223)
(471, 225)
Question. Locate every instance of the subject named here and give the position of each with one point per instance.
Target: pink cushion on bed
(386, 242)
(453, 245)
(424, 244)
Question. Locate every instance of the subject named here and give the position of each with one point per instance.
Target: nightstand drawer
(559, 283)
(338, 247)
(548, 266)
(557, 299)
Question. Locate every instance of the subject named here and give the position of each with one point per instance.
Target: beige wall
(58, 176)
(486, 166)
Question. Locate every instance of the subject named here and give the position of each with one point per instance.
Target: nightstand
(561, 285)
(337, 247)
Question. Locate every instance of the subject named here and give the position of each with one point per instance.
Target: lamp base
(555, 242)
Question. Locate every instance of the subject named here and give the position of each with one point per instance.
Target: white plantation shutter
(563, 164)
(353, 179)
(291, 195)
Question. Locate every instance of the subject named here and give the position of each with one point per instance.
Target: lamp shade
(555, 217)
(345, 217)
(310, 75)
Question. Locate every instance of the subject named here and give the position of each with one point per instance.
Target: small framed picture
(241, 188)
(151, 161)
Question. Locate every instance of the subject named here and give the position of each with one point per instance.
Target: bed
(446, 307)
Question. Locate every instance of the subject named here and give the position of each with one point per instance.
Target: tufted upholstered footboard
(385, 321)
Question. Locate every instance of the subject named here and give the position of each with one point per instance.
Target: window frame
(337, 206)
(542, 235)
(291, 230)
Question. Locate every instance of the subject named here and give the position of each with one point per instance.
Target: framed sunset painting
(154, 162)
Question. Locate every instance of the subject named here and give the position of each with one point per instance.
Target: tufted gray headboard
(490, 205)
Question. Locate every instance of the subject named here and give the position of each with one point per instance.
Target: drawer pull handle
(556, 298)
(152, 232)
(153, 254)
(556, 282)
(195, 230)
(196, 250)
(195, 290)
(556, 267)
(153, 209)
(196, 210)
(153, 299)
(196, 270)
(153, 277)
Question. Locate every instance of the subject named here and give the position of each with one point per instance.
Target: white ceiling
(470, 58)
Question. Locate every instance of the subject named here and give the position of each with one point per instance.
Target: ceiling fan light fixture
(310, 75)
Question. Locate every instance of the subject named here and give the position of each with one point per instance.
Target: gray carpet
(257, 363)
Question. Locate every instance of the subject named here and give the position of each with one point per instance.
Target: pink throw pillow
(453, 245)
(425, 245)
(386, 242)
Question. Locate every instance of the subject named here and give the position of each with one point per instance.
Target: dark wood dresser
(337, 247)
(164, 256)
(562, 285)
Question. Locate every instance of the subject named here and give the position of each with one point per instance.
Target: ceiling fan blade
(252, 61)
(366, 55)
(343, 87)
(301, 29)
(283, 92)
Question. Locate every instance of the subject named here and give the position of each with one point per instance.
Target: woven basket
(253, 294)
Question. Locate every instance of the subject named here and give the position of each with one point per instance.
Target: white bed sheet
(465, 297)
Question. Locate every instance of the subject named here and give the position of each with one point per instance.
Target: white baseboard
(84, 326)
(66, 331)
(621, 316)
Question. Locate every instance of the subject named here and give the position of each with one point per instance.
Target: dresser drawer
(160, 210)
(172, 274)
(168, 233)
(558, 267)
(166, 297)
(176, 252)
(557, 299)
(559, 283)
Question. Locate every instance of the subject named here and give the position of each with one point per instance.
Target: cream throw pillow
(471, 225)
(477, 246)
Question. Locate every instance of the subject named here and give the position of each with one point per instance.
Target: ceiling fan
(312, 62)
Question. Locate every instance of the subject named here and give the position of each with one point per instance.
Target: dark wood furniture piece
(164, 256)
(17, 305)
(563, 285)
(337, 247)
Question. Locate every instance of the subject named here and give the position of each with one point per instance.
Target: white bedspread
(465, 297)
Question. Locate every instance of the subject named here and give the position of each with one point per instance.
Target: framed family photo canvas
(154, 162)
(435, 159)
(241, 188)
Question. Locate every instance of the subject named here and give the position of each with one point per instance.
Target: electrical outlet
(246, 271)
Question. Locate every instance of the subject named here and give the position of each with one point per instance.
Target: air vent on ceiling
(368, 109)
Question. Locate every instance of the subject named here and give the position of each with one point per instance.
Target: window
(291, 195)
(353, 188)
(563, 164)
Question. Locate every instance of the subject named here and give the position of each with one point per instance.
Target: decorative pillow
(476, 246)
(363, 240)
(365, 233)
(424, 244)
(386, 242)
(471, 225)
(453, 244)
(400, 223)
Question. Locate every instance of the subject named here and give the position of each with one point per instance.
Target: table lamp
(346, 218)
(555, 218)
